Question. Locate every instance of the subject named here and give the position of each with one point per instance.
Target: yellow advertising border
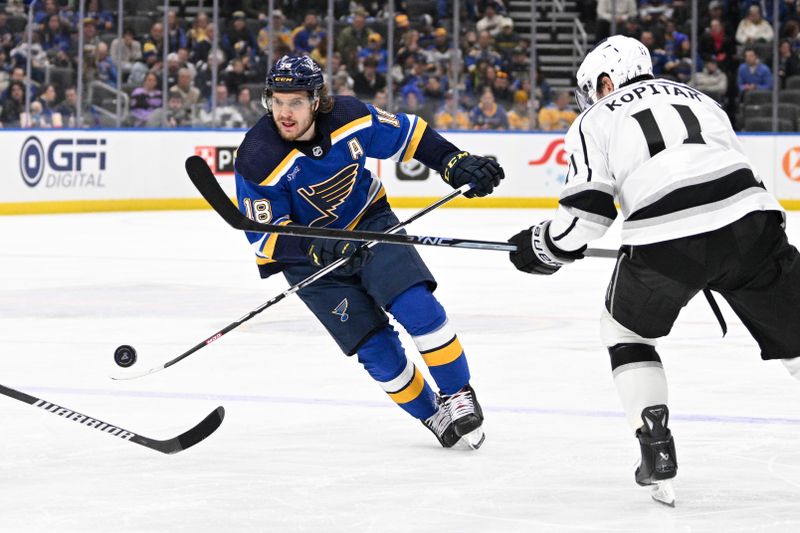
(172, 204)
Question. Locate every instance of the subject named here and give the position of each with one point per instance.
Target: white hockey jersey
(668, 155)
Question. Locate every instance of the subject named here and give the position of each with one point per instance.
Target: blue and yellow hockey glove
(323, 252)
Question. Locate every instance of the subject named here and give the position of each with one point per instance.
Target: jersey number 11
(652, 133)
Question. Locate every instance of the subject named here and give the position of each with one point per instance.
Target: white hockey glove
(536, 253)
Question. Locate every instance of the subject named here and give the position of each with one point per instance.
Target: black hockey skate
(442, 426)
(467, 415)
(659, 463)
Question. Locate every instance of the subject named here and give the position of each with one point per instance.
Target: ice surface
(310, 443)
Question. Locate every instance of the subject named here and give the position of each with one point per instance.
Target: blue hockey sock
(424, 318)
(385, 360)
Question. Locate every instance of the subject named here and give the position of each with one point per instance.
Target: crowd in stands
(485, 84)
(734, 50)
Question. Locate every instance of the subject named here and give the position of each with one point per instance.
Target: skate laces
(439, 421)
(460, 404)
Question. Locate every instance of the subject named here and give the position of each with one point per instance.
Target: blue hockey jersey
(323, 182)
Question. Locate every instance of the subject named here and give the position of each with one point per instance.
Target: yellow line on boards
(170, 204)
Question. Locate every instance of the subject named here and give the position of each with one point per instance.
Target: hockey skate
(659, 463)
(467, 416)
(442, 426)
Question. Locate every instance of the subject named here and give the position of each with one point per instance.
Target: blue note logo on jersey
(341, 310)
(325, 197)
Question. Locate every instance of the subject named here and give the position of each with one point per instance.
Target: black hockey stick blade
(208, 186)
(170, 446)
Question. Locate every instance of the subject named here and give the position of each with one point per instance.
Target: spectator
(126, 52)
(234, 76)
(319, 53)
(483, 50)
(501, 88)
(38, 118)
(375, 50)
(754, 28)
(198, 32)
(623, 11)
(176, 36)
(103, 19)
(148, 62)
(238, 41)
(55, 36)
(145, 100)
(283, 35)
(440, 53)
(507, 39)
(715, 42)
(155, 39)
(13, 104)
(381, 99)
(451, 116)
(412, 105)
(655, 13)
(225, 115)
(519, 117)
(789, 62)
(7, 40)
(402, 26)
(712, 81)
(368, 82)
(492, 20)
(201, 48)
(308, 36)
(753, 74)
(487, 115)
(432, 95)
(558, 115)
(176, 115)
(718, 11)
(246, 107)
(48, 99)
(68, 109)
(190, 95)
(353, 38)
(105, 70)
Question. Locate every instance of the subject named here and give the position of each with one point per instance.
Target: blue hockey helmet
(290, 74)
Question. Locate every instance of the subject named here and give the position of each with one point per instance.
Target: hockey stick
(174, 445)
(294, 288)
(209, 187)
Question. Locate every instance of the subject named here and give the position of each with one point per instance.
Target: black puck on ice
(125, 356)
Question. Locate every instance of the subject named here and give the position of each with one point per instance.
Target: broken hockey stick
(294, 288)
(174, 445)
(209, 187)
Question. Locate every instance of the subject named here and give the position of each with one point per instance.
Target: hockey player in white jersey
(696, 217)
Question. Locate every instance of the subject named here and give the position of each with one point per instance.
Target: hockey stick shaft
(209, 187)
(186, 440)
(291, 290)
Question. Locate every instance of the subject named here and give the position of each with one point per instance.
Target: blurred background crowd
(463, 65)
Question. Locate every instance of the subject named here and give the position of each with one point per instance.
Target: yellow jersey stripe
(350, 127)
(282, 167)
(412, 391)
(411, 149)
(269, 245)
(445, 354)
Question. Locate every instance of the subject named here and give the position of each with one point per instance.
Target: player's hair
(633, 80)
(325, 100)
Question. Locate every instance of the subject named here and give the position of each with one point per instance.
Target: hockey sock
(385, 360)
(425, 320)
(639, 378)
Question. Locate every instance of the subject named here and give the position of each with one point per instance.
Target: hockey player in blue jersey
(304, 163)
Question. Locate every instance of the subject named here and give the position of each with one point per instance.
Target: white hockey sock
(640, 385)
(793, 366)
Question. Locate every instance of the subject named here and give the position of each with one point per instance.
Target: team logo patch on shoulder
(341, 310)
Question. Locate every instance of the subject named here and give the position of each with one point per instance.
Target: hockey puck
(125, 356)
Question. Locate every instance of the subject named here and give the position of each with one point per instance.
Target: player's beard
(300, 128)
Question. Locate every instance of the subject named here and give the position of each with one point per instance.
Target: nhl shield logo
(341, 310)
(317, 151)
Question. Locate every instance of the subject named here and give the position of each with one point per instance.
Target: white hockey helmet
(620, 58)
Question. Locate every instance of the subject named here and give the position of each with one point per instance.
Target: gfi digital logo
(64, 163)
(219, 158)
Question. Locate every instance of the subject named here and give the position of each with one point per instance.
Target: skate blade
(473, 440)
(663, 492)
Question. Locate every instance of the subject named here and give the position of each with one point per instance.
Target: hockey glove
(482, 172)
(536, 253)
(323, 252)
